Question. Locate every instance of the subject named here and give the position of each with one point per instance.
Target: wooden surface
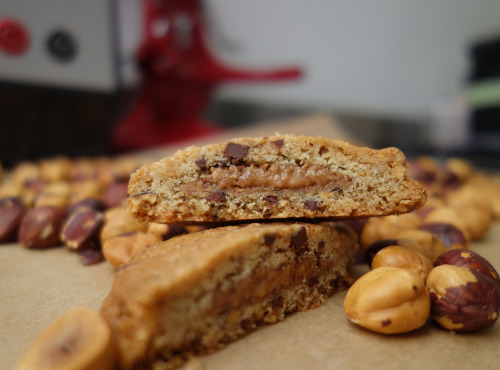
(37, 286)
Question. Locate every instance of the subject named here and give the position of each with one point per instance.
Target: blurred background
(112, 76)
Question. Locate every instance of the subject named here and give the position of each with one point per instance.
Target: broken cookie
(194, 293)
(279, 177)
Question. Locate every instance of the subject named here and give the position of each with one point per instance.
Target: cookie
(194, 293)
(278, 177)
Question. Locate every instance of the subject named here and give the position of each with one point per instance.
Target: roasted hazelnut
(475, 194)
(12, 211)
(375, 247)
(388, 300)
(55, 169)
(119, 249)
(404, 258)
(379, 228)
(448, 215)
(24, 172)
(428, 243)
(469, 259)
(450, 236)
(460, 167)
(81, 229)
(41, 227)
(54, 194)
(118, 222)
(85, 189)
(166, 231)
(478, 222)
(116, 194)
(424, 169)
(463, 299)
(90, 202)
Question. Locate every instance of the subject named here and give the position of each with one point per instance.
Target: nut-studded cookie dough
(194, 293)
(278, 177)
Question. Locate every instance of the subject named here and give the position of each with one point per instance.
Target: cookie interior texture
(194, 293)
(283, 176)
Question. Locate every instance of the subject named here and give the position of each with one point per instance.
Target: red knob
(14, 38)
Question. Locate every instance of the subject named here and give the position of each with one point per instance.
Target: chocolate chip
(277, 302)
(300, 239)
(386, 322)
(272, 200)
(321, 244)
(217, 196)
(279, 143)
(336, 188)
(201, 163)
(312, 282)
(269, 239)
(236, 152)
(323, 150)
(311, 204)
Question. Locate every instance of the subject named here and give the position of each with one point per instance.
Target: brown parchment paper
(37, 286)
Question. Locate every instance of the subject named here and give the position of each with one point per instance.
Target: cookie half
(279, 177)
(194, 293)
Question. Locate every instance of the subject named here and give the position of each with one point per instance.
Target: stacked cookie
(194, 293)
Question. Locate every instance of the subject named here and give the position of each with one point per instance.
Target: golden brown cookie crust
(278, 177)
(194, 293)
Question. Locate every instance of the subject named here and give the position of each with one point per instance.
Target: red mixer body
(179, 77)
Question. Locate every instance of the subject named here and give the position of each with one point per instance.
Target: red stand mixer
(179, 76)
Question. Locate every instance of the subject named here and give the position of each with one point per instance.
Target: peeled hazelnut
(25, 171)
(379, 228)
(463, 299)
(428, 243)
(449, 216)
(375, 247)
(165, 231)
(472, 194)
(85, 189)
(41, 226)
(388, 300)
(478, 222)
(404, 258)
(80, 339)
(12, 211)
(450, 236)
(81, 229)
(54, 194)
(118, 222)
(469, 259)
(55, 169)
(120, 249)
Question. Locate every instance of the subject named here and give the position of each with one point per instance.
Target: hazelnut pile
(79, 203)
(442, 278)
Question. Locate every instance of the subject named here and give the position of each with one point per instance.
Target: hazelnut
(450, 236)
(460, 167)
(90, 202)
(24, 172)
(55, 169)
(448, 215)
(463, 299)
(478, 222)
(166, 231)
(379, 228)
(388, 300)
(85, 189)
(119, 249)
(375, 247)
(118, 222)
(12, 211)
(41, 226)
(469, 259)
(81, 229)
(405, 258)
(116, 194)
(428, 243)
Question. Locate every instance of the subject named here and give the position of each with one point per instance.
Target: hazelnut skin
(41, 227)
(12, 211)
(463, 299)
(81, 229)
(469, 259)
(388, 300)
(450, 236)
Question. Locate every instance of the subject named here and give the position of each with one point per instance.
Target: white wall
(392, 58)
